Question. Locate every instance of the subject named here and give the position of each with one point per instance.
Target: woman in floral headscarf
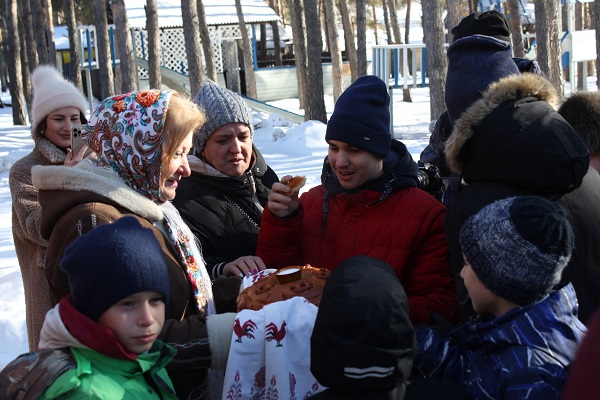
(142, 140)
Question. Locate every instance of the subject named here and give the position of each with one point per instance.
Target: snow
(294, 149)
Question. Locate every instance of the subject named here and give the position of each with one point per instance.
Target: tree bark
(596, 26)
(453, 17)
(248, 62)
(315, 104)
(32, 56)
(437, 62)
(47, 4)
(361, 38)
(516, 31)
(191, 33)
(75, 75)
(24, 61)
(578, 27)
(209, 54)
(406, 94)
(107, 87)
(296, 15)
(374, 11)
(334, 48)
(14, 67)
(124, 47)
(39, 22)
(548, 43)
(386, 20)
(155, 78)
(348, 39)
(394, 19)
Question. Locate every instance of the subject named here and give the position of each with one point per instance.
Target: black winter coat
(511, 142)
(224, 212)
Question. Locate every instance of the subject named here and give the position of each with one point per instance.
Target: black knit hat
(518, 247)
(361, 116)
(490, 23)
(112, 262)
(362, 338)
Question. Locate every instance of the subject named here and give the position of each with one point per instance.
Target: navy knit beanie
(518, 247)
(475, 62)
(112, 262)
(361, 116)
(490, 23)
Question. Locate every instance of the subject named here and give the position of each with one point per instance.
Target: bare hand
(280, 203)
(71, 160)
(244, 266)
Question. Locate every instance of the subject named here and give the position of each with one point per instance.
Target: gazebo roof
(218, 12)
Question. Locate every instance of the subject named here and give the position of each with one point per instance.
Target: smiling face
(174, 169)
(352, 165)
(136, 320)
(58, 125)
(229, 149)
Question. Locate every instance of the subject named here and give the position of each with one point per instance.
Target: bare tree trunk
(191, 33)
(75, 75)
(334, 48)
(374, 11)
(248, 62)
(209, 54)
(39, 22)
(394, 19)
(516, 30)
(124, 47)
(548, 43)
(154, 75)
(406, 94)
(579, 26)
(349, 39)
(386, 19)
(596, 26)
(107, 87)
(32, 56)
(315, 104)
(296, 14)
(276, 37)
(263, 42)
(361, 36)
(14, 66)
(453, 17)
(437, 62)
(47, 4)
(24, 62)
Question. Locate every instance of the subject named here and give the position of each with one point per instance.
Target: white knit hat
(50, 91)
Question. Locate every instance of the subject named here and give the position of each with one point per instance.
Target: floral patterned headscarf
(126, 132)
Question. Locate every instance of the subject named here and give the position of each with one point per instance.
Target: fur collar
(510, 88)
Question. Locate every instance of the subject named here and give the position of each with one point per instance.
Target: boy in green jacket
(100, 341)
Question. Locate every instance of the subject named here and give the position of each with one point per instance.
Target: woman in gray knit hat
(57, 106)
(222, 201)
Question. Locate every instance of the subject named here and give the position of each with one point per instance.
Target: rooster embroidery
(273, 333)
(247, 329)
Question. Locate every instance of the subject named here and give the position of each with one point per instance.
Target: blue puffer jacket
(522, 354)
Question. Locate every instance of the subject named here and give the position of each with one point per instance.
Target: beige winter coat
(29, 244)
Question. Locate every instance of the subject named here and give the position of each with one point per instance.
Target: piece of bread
(308, 283)
(296, 184)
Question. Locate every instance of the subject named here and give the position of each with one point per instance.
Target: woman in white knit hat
(57, 106)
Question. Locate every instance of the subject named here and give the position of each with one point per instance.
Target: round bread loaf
(305, 281)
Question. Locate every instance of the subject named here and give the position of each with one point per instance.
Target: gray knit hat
(518, 247)
(221, 106)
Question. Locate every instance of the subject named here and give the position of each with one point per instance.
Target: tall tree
(315, 102)
(14, 66)
(47, 5)
(334, 48)
(296, 15)
(248, 62)
(27, 19)
(374, 11)
(596, 26)
(548, 43)
(453, 17)
(276, 36)
(209, 54)
(386, 21)
(107, 87)
(394, 20)
(191, 33)
(24, 61)
(75, 72)
(155, 78)
(516, 31)
(579, 17)
(406, 93)
(39, 22)
(127, 65)
(348, 38)
(361, 38)
(436, 55)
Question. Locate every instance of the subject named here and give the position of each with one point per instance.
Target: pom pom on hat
(518, 247)
(50, 91)
(112, 262)
(490, 23)
(221, 106)
(474, 63)
(361, 116)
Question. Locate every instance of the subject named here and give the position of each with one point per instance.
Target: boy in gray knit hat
(526, 332)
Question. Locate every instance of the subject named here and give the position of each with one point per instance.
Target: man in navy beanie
(367, 204)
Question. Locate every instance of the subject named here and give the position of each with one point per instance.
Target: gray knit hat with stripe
(518, 247)
(221, 106)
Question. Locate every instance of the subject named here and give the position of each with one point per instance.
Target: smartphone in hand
(77, 141)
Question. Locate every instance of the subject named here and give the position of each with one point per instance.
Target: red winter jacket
(404, 229)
